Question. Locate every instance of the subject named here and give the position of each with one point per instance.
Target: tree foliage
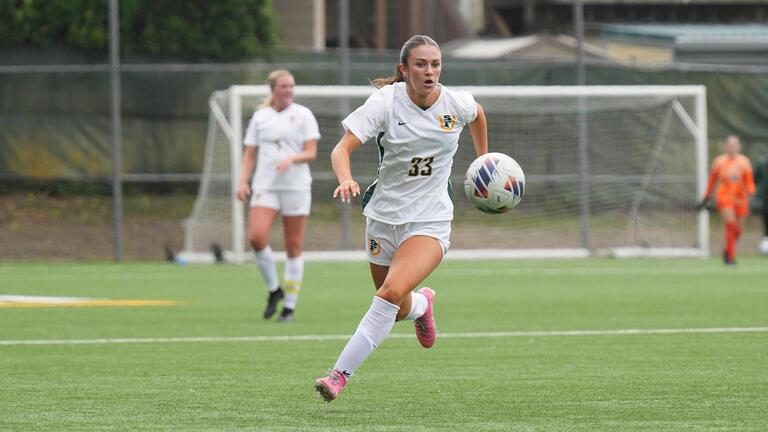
(189, 29)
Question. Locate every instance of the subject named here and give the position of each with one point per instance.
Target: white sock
(294, 273)
(266, 264)
(371, 332)
(419, 305)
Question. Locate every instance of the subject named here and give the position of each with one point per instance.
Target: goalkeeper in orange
(732, 173)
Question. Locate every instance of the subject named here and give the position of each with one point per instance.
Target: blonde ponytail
(384, 81)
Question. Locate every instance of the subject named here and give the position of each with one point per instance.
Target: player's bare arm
(307, 155)
(348, 187)
(249, 160)
(478, 128)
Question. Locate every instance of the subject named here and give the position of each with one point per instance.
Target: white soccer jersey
(416, 148)
(278, 136)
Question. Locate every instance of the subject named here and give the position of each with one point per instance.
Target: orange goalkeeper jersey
(733, 175)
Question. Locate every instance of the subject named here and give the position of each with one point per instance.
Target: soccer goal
(611, 170)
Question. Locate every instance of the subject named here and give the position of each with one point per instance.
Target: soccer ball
(494, 183)
(764, 246)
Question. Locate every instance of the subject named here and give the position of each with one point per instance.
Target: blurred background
(66, 195)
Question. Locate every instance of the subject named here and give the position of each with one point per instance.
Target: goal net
(612, 170)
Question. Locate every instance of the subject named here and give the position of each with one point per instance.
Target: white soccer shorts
(288, 202)
(383, 239)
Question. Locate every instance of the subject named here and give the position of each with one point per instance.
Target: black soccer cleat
(272, 300)
(218, 253)
(286, 315)
(727, 260)
(169, 255)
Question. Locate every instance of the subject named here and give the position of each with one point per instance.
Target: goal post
(611, 170)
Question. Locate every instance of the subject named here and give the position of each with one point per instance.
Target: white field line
(596, 271)
(43, 299)
(512, 269)
(510, 334)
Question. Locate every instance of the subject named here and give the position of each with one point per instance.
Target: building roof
(705, 43)
(558, 47)
(674, 34)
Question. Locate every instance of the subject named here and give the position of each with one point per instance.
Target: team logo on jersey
(291, 119)
(373, 247)
(447, 122)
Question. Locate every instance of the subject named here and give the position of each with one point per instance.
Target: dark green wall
(57, 124)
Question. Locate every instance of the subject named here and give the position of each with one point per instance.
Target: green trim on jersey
(369, 191)
(450, 189)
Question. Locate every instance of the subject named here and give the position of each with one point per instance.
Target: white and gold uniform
(411, 195)
(279, 135)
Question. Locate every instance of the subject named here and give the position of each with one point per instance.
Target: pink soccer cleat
(330, 386)
(425, 325)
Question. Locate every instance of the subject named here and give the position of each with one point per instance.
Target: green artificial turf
(508, 381)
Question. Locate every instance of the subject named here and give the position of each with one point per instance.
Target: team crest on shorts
(447, 122)
(373, 247)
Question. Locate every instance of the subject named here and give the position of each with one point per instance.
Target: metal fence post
(117, 157)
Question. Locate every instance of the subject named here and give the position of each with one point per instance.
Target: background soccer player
(416, 123)
(732, 173)
(285, 136)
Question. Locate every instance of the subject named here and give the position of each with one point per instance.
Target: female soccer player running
(732, 172)
(284, 134)
(416, 123)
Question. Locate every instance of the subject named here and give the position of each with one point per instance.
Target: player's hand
(347, 190)
(704, 204)
(284, 165)
(243, 191)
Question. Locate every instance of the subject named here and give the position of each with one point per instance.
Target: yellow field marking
(90, 303)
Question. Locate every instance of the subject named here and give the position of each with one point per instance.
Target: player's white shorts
(287, 202)
(383, 239)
